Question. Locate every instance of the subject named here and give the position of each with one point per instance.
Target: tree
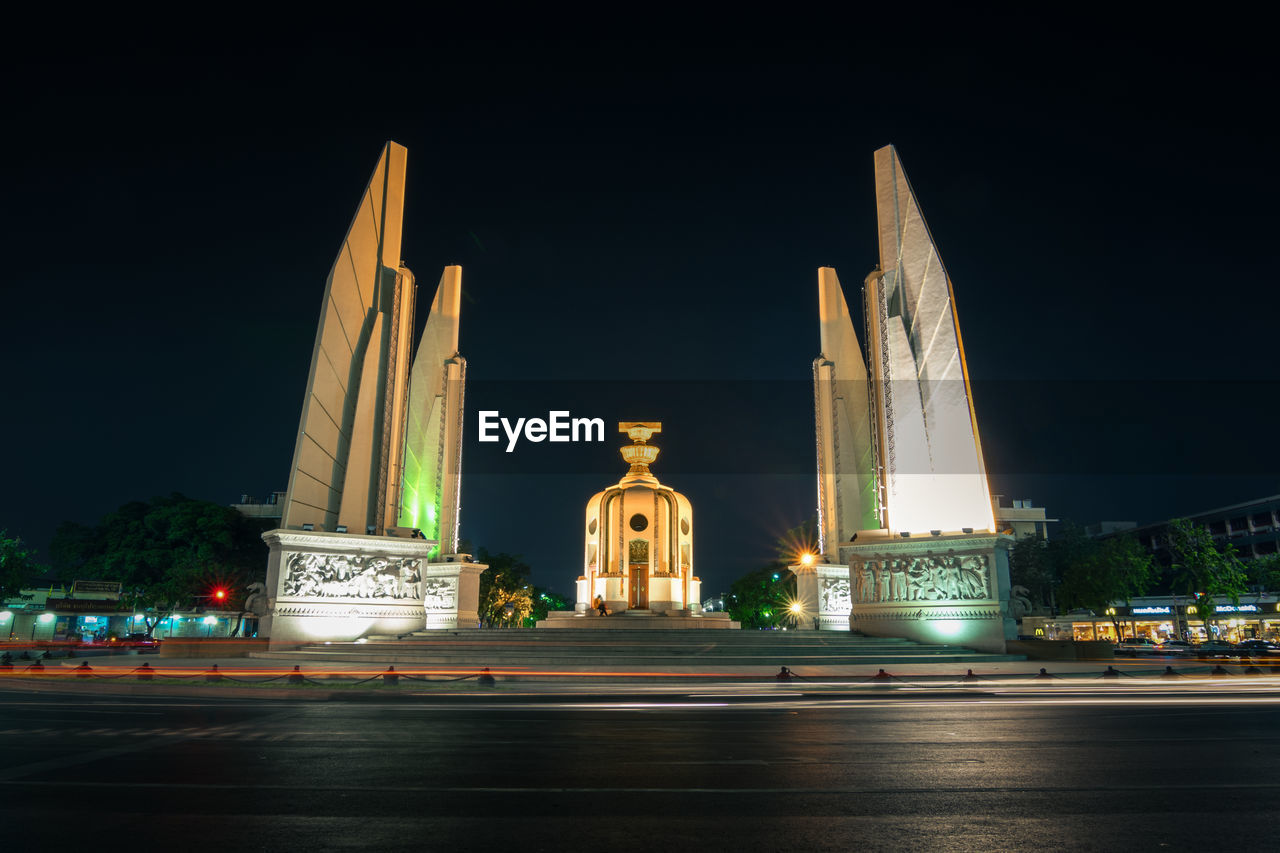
(1264, 572)
(1033, 565)
(1204, 569)
(18, 565)
(169, 553)
(1105, 571)
(760, 599)
(763, 598)
(506, 592)
(544, 601)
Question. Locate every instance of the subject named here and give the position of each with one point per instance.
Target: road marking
(14, 775)
(10, 774)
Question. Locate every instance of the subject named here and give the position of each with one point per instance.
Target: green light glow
(420, 504)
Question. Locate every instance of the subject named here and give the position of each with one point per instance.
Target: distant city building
(1020, 517)
(271, 508)
(1105, 528)
(1253, 528)
(716, 604)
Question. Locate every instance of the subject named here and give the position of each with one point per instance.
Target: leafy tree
(762, 598)
(759, 599)
(1105, 571)
(1264, 572)
(169, 553)
(506, 592)
(18, 565)
(1041, 566)
(1033, 564)
(1204, 569)
(544, 601)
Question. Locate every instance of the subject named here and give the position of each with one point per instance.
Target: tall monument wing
(433, 446)
(348, 431)
(847, 496)
(934, 475)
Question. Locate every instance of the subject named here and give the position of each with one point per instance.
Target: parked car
(1176, 647)
(1137, 646)
(139, 642)
(1257, 649)
(1216, 649)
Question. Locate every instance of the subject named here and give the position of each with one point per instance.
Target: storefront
(1172, 618)
(93, 613)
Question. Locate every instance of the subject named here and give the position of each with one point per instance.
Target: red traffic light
(220, 594)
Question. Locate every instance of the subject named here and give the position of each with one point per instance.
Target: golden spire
(640, 454)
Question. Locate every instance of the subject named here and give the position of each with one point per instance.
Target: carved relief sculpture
(949, 577)
(351, 576)
(441, 594)
(833, 597)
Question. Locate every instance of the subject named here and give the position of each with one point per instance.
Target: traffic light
(220, 595)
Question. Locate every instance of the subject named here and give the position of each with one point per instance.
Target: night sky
(640, 212)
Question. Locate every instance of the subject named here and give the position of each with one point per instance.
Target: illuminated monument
(907, 537)
(637, 555)
(369, 531)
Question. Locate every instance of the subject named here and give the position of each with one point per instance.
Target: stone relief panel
(833, 597)
(932, 577)
(441, 594)
(352, 576)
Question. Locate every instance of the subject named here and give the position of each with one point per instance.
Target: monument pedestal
(822, 590)
(626, 620)
(951, 589)
(341, 587)
(451, 592)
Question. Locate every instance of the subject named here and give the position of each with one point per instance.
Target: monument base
(340, 587)
(628, 620)
(951, 589)
(451, 596)
(822, 597)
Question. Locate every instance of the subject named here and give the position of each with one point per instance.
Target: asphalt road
(642, 772)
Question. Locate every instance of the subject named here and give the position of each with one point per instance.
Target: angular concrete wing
(934, 475)
(433, 445)
(847, 494)
(351, 426)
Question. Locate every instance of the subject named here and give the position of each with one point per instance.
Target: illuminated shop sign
(1150, 611)
(109, 587)
(1231, 608)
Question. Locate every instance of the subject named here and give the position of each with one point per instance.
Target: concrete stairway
(651, 650)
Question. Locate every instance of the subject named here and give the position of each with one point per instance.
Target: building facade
(1252, 528)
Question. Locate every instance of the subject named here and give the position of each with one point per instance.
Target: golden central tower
(638, 538)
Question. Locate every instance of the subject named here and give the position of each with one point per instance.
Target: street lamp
(796, 609)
